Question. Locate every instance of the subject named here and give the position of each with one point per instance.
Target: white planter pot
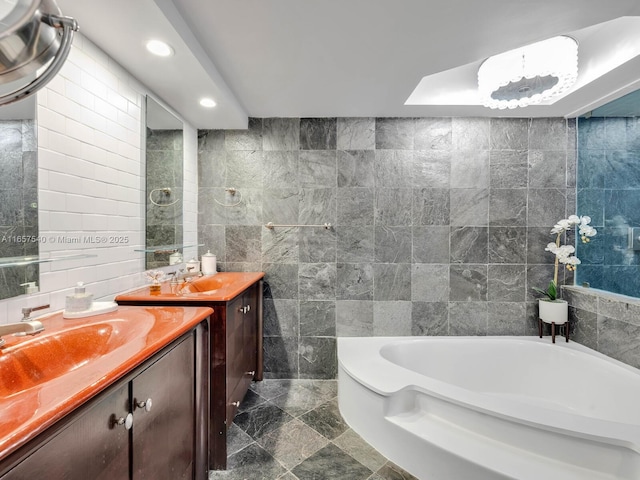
(553, 311)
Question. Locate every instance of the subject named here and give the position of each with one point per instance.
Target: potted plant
(551, 308)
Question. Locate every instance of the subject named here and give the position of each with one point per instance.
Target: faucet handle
(26, 311)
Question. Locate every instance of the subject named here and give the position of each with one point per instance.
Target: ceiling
(352, 58)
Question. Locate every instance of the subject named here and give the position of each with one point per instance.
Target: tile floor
(292, 430)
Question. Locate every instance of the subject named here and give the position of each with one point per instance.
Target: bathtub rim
(359, 357)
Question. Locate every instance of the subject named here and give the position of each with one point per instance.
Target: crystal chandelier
(530, 74)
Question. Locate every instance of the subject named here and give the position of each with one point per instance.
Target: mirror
(18, 196)
(164, 185)
(608, 190)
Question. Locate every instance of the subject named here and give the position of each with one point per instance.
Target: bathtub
(480, 408)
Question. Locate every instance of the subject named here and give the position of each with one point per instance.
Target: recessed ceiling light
(160, 48)
(208, 102)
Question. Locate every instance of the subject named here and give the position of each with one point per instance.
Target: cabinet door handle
(248, 308)
(235, 404)
(251, 373)
(146, 404)
(242, 309)
(126, 421)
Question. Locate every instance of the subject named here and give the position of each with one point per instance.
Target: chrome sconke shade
(33, 34)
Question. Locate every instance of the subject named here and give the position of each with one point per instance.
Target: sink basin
(51, 355)
(205, 285)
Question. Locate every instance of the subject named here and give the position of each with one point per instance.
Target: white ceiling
(316, 58)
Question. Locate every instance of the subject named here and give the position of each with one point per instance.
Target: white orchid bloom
(574, 219)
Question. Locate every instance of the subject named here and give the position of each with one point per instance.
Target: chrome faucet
(26, 328)
(26, 312)
(189, 274)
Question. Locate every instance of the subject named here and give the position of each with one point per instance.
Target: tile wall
(438, 225)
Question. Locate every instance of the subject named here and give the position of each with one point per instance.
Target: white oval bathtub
(476, 408)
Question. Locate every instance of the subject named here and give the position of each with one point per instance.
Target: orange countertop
(47, 376)
(221, 287)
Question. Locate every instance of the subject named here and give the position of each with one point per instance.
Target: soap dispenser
(30, 287)
(209, 263)
(80, 300)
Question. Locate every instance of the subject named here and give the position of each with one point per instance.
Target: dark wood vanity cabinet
(146, 426)
(236, 354)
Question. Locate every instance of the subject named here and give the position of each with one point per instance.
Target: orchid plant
(565, 253)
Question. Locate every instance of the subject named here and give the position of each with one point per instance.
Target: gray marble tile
(237, 439)
(251, 462)
(393, 206)
(470, 133)
(212, 168)
(506, 318)
(470, 169)
(281, 134)
(538, 276)
(392, 168)
(355, 168)
(318, 317)
(467, 283)
(272, 388)
(331, 462)
(432, 134)
(507, 207)
(393, 244)
(431, 206)
(318, 168)
(354, 445)
(29, 136)
(507, 244)
(318, 133)
(354, 281)
(469, 206)
(280, 361)
(11, 136)
(355, 206)
(281, 280)
(303, 395)
(280, 169)
(248, 139)
(318, 357)
(468, 318)
(429, 282)
(391, 471)
(279, 245)
(281, 318)
(356, 133)
(354, 318)
(281, 205)
(244, 169)
(292, 443)
(395, 133)
(625, 311)
(431, 169)
(317, 206)
(619, 340)
(583, 299)
(510, 133)
(262, 419)
(326, 420)
(584, 327)
(210, 140)
(317, 281)
(548, 134)
(469, 245)
(430, 318)
(507, 283)
(317, 245)
(392, 319)
(547, 168)
(545, 207)
(392, 281)
(355, 244)
(430, 244)
(509, 168)
(250, 400)
(537, 240)
(242, 243)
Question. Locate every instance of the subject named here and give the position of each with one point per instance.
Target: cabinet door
(91, 446)
(164, 425)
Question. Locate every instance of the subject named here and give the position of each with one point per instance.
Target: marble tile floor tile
(292, 430)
